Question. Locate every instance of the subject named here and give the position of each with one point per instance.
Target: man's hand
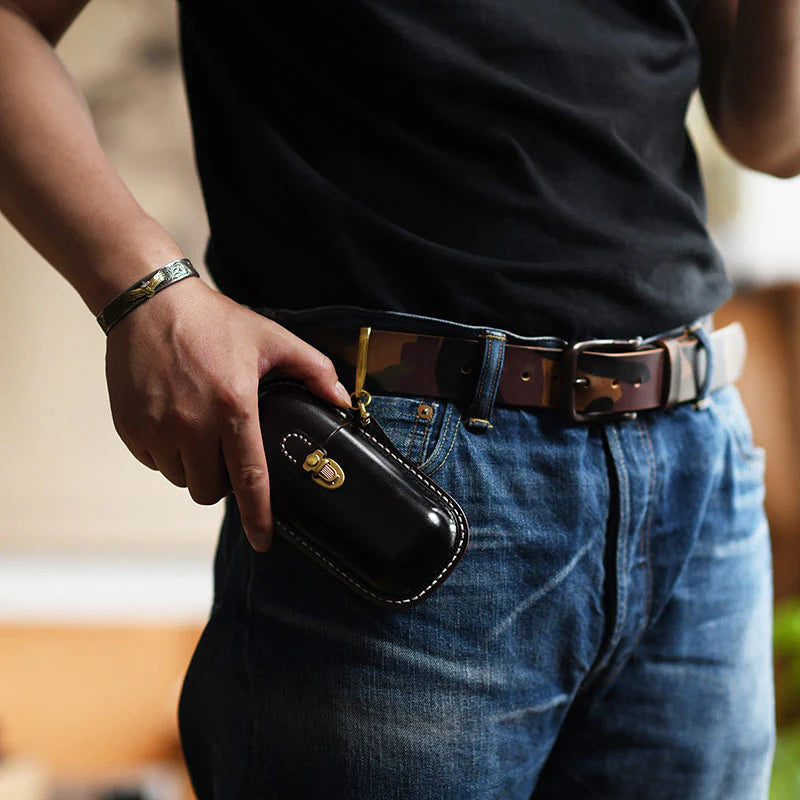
(183, 372)
(182, 368)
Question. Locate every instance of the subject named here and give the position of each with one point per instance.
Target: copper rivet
(425, 411)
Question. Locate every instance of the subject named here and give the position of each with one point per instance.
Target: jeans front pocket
(731, 413)
(419, 427)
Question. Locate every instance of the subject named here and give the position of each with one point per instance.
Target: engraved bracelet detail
(143, 290)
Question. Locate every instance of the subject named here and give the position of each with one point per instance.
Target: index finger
(243, 450)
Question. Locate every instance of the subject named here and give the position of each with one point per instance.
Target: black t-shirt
(516, 163)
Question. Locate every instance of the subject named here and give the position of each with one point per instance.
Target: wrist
(143, 290)
(112, 269)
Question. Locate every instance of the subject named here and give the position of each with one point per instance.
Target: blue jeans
(607, 634)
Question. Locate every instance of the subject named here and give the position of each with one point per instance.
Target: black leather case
(385, 529)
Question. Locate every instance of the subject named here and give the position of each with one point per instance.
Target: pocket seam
(411, 440)
(442, 443)
(446, 439)
(749, 452)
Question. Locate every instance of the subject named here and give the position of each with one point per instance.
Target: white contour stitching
(297, 436)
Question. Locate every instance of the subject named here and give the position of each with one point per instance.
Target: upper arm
(50, 17)
(714, 23)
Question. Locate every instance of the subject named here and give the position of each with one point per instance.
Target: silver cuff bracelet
(143, 290)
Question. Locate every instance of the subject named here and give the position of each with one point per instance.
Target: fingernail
(342, 394)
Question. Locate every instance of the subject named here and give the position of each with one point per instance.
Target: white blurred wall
(753, 217)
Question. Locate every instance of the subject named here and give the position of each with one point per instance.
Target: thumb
(291, 356)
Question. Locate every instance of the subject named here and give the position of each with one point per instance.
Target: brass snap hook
(360, 401)
(361, 396)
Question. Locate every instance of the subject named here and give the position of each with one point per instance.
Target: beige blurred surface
(92, 700)
(23, 779)
(68, 483)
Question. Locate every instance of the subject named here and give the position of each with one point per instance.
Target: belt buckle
(571, 381)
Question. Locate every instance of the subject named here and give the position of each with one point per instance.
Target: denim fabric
(606, 635)
(479, 414)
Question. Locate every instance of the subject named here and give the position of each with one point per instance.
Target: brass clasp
(324, 471)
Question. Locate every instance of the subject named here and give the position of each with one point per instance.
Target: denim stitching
(651, 457)
(411, 437)
(622, 538)
(442, 436)
(450, 450)
(498, 370)
(487, 360)
(425, 433)
(620, 469)
(442, 441)
(482, 403)
(622, 545)
(428, 425)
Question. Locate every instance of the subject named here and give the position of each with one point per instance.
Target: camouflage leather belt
(591, 379)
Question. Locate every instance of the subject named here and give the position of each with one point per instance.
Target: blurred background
(105, 567)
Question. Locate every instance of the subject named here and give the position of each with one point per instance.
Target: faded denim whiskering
(607, 635)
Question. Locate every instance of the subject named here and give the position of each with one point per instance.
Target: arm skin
(183, 368)
(56, 186)
(750, 80)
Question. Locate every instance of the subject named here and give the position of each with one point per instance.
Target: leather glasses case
(347, 498)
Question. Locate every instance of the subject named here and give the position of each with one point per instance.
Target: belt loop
(478, 417)
(699, 332)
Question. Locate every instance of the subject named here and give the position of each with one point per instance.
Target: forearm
(759, 104)
(56, 185)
